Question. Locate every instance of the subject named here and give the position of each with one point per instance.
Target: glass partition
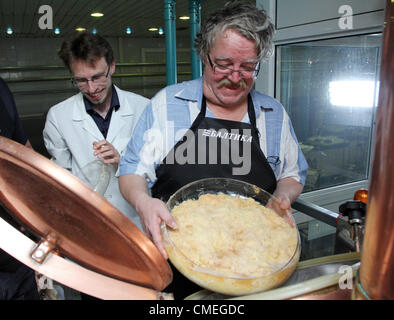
(330, 90)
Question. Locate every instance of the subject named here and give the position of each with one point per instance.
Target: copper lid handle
(43, 248)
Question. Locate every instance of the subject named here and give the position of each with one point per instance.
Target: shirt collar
(114, 101)
(193, 92)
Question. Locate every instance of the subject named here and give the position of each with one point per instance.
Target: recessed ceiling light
(80, 29)
(129, 30)
(153, 29)
(184, 18)
(97, 14)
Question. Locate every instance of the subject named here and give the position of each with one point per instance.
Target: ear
(112, 67)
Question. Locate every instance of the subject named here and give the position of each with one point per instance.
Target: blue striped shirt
(171, 113)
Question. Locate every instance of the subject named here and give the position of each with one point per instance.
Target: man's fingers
(160, 246)
(170, 221)
(285, 207)
(108, 154)
(158, 241)
(99, 144)
(105, 150)
(285, 204)
(153, 214)
(103, 146)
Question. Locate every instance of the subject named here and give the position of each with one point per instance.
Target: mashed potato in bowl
(232, 244)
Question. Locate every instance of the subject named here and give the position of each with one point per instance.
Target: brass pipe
(377, 257)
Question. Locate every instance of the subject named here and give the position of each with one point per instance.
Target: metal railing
(4, 70)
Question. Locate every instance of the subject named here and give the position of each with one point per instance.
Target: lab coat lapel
(82, 118)
(119, 118)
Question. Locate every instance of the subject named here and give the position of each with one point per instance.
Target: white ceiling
(23, 16)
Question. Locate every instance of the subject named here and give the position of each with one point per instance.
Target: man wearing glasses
(96, 123)
(167, 151)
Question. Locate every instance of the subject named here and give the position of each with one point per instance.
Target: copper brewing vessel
(377, 259)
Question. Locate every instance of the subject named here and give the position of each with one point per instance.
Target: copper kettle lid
(80, 223)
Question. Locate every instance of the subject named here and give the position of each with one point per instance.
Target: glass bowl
(234, 284)
(97, 175)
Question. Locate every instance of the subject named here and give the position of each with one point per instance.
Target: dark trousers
(18, 285)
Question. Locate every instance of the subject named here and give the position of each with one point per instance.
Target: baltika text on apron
(234, 147)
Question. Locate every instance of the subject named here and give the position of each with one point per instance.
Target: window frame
(267, 81)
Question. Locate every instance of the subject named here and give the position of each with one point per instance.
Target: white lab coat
(70, 131)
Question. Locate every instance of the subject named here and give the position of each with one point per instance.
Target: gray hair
(243, 17)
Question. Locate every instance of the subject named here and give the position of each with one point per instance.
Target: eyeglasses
(245, 72)
(99, 78)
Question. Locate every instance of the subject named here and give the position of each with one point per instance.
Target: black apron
(213, 148)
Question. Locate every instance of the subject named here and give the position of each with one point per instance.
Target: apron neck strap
(251, 112)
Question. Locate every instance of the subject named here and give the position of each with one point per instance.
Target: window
(330, 89)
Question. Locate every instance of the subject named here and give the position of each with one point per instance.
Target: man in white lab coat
(96, 123)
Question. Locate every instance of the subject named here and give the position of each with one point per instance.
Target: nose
(235, 76)
(92, 87)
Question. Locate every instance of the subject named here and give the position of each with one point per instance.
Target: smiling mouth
(95, 95)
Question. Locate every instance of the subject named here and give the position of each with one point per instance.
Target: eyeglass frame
(85, 82)
(255, 71)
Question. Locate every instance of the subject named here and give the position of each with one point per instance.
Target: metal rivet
(39, 253)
